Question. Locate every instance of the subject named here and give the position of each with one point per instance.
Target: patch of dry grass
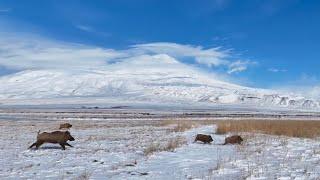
(180, 125)
(183, 126)
(171, 145)
(84, 176)
(292, 128)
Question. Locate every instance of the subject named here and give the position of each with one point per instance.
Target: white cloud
(275, 70)
(5, 10)
(314, 92)
(306, 85)
(210, 57)
(239, 66)
(21, 53)
(85, 28)
(90, 29)
(39, 53)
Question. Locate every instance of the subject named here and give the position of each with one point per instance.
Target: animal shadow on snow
(47, 147)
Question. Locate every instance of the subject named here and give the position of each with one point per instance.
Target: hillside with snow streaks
(160, 79)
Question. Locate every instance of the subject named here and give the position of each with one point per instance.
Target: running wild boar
(203, 138)
(56, 137)
(233, 140)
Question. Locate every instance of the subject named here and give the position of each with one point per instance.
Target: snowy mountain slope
(157, 78)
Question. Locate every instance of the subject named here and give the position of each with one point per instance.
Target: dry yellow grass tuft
(180, 125)
(171, 145)
(292, 128)
(183, 126)
(84, 176)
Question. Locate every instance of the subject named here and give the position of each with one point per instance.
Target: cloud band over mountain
(23, 53)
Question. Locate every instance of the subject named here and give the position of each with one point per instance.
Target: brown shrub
(293, 128)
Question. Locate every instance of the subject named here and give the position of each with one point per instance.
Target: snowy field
(150, 149)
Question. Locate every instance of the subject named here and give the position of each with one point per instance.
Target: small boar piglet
(56, 137)
(65, 126)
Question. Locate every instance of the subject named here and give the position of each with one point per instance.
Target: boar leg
(32, 145)
(62, 145)
(67, 144)
(38, 144)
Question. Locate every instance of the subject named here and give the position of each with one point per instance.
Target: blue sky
(278, 41)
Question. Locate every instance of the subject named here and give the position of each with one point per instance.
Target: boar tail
(38, 132)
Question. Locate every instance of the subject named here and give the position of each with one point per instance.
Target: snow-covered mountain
(149, 78)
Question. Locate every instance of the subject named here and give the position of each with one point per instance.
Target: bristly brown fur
(65, 126)
(57, 137)
(233, 140)
(203, 138)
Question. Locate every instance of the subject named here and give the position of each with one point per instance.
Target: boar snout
(70, 138)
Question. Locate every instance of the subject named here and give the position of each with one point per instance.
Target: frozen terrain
(151, 149)
(161, 79)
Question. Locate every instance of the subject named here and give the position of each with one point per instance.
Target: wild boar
(236, 139)
(65, 126)
(203, 138)
(56, 137)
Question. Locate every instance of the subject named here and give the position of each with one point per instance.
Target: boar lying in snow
(65, 126)
(59, 137)
(233, 140)
(203, 138)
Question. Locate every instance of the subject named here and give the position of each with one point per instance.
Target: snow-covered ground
(117, 149)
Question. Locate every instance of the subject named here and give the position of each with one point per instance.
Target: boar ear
(67, 132)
